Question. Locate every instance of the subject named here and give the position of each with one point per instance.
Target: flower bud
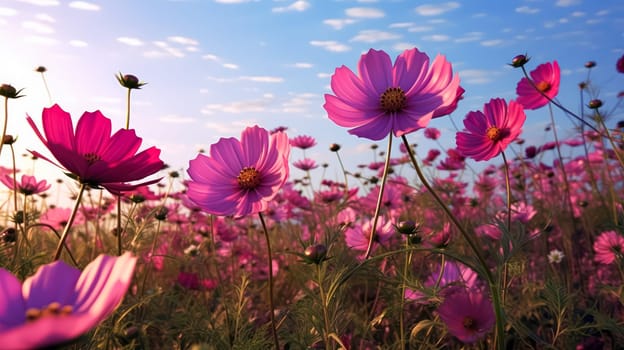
(407, 227)
(129, 81)
(161, 213)
(590, 64)
(595, 104)
(8, 235)
(8, 139)
(519, 61)
(9, 91)
(41, 69)
(315, 253)
(334, 147)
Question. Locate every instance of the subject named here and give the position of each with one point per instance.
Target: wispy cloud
(436, 37)
(230, 127)
(176, 119)
(401, 25)
(470, 36)
(477, 76)
(231, 1)
(37, 27)
(233, 66)
(527, 10)
(6, 11)
(262, 79)
(130, 41)
(44, 17)
(566, 3)
(436, 9)
(41, 2)
(298, 6)
(78, 43)
(364, 12)
(403, 46)
(183, 40)
(298, 103)
(330, 45)
(303, 65)
(339, 23)
(419, 29)
(373, 36)
(237, 107)
(493, 42)
(83, 5)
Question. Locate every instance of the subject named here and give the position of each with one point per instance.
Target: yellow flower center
(53, 309)
(543, 86)
(248, 178)
(493, 133)
(393, 100)
(91, 158)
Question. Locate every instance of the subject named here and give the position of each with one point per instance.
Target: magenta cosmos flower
(491, 131)
(240, 177)
(59, 303)
(386, 98)
(467, 313)
(303, 141)
(91, 155)
(27, 186)
(546, 79)
(609, 247)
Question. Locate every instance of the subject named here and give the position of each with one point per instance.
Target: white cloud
(230, 65)
(176, 119)
(83, 5)
(323, 75)
(130, 41)
(437, 9)
(231, 1)
(470, 36)
(42, 2)
(303, 65)
(262, 79)
(436, 37)
(299, 6)
(298, 103)
(338, 23)
(211, 57)
(476, 76)
(364, 12)
(419, 29)
(78, 43)
(237, 107)
(493, 42)
(527, 10)
(38, 27)
(403, 46)
(578, 14)
(5, 11)
(330, 45)
(183, 40)
(373, 36)
(166, 50)
(401, 25)
(566, 3)
(44, 17)
(229, 128)
(41, 40)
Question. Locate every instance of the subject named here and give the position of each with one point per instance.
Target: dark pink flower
(546, 78)
(59, 303)
(619, 66)
(432, 133)
(303, 141)
(357, 236)
(91, 155)
(305, 164)
(57, 218)
(609, 247)
(27, 186)
(385, 98)
(467, 313)
(491, 131)
(240, 177)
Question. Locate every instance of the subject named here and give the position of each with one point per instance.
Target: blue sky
(216, 66)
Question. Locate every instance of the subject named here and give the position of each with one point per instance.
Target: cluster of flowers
(241, 177)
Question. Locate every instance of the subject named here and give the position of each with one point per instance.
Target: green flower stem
(70, 222)
(344, 172)
(382, 186)
(494, 288)
(616, 149)
(325, 304)
(6, 120)
(271, 301)
(406, 264)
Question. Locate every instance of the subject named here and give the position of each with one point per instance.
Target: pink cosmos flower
(305, 164)
(619, 65)
(491, 131)
(609, 247)
(240, 177)
(468, 313)
(303, 141)
(385, 98)
(57, 218)
(432, 133)
(546, 79)
(27, 186)
(59, 303)
(357, 237)
(91, 155)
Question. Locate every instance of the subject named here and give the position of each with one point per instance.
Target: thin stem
(6, 120)
(128, 110)
(406, 264)
(344, 172)
(119, 229)
(271, 301)
(507, 190)
(45, 84)
(70, 222)
(616, 149)
(382, 186)
(325, 304)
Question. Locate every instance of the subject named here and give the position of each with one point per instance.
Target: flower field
(492, 243)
